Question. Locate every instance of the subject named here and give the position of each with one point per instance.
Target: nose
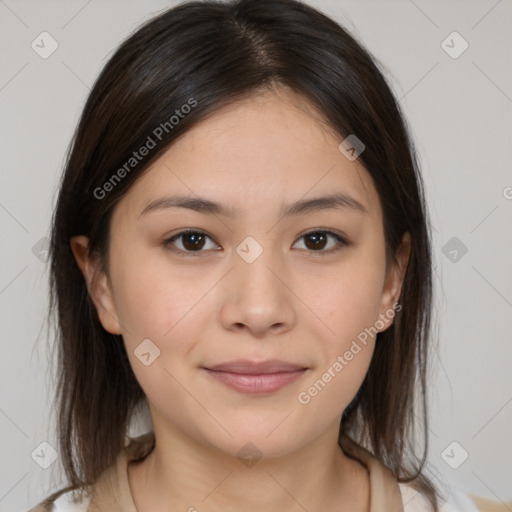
(257, 297)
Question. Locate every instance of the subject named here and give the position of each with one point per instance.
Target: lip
(256, 377)
(247, 366)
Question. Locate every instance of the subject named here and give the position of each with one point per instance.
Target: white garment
(64, 503)
(412, 500)
(457, 501)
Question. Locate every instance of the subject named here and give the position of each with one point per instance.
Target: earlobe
(97, 284)
(394, 282)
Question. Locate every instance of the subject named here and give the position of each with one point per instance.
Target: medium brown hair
(218, 53)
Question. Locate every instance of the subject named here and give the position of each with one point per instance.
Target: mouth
(256, 377)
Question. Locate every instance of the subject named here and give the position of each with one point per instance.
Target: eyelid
(329, 231)
(168, 242)
(342, 240)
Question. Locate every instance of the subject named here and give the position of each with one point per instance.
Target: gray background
(460, 113)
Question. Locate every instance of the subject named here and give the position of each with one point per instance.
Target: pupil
(196, 238)
(318, 238)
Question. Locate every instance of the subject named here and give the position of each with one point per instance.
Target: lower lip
(256, 384)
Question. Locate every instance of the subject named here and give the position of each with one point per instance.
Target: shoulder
(78, 498)
(65, 500)
(414, 501)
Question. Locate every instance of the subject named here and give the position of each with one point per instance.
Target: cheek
(159, 302)
(334, 385)
(154, 298)
(160, 309)
(349, 301)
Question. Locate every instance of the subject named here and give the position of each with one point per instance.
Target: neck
(182, 474)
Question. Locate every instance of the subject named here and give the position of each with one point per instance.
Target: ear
(393, 284)
(97, 284)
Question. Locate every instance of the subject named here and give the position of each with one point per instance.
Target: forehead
(257, 154)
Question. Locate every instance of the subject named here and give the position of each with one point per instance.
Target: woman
(241, 243)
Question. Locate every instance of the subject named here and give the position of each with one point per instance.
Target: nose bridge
(257, 297)
(257, 267)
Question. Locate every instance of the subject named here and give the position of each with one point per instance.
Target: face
(255, 280)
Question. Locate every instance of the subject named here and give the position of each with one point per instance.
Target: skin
(293, 303)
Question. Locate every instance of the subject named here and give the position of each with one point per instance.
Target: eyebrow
(208, 207)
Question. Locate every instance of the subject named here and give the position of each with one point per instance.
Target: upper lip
(246, 366)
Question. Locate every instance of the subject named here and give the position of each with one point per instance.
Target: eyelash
(342, 242)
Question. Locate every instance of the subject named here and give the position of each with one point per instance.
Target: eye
(191, 240)
(195, 240)
(316, 241)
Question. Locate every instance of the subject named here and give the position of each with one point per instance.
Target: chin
(266, 441)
